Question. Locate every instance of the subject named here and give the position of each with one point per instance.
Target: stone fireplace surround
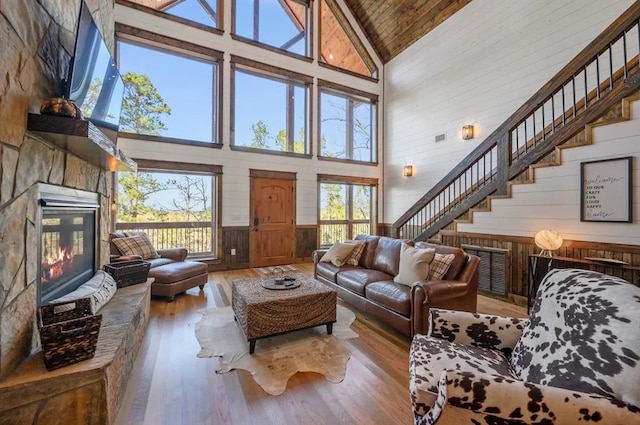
(38, 36)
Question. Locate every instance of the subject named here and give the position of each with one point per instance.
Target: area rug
(278, 358)
(266, 271)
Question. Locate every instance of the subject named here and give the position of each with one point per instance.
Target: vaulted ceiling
(393, 25)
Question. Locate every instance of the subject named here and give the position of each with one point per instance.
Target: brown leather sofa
(370, 286)
(172, 273)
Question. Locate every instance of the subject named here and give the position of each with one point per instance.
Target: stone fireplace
(37, 38)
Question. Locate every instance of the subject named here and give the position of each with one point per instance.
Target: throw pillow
(136, 245)
(100, 289)
(354, 258)
(338, 254)
(440, 266)
(414, 264)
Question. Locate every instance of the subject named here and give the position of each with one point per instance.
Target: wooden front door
(272, 221)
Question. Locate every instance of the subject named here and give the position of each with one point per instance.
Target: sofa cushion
(366, 259)
(387, 257)
(329, 271)
(415, 264)
(356, 279)
(583, 336)
(157, 262)
(459, 260)
(354, 257)
(338, 253)
(136, 245)
(391, 295)
(440, 266)
(430, 356)
(177, 271)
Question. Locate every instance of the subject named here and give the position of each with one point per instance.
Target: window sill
(162, 139)
(270, 152)
(348, 161)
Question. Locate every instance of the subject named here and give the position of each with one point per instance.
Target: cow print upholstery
(576, 361)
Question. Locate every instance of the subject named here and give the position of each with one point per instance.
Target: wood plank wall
(521, 247)
(306, 242)
(235, 237)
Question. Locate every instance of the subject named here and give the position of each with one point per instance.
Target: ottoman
(175, 278)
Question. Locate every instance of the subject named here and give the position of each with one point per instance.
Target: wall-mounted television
(95, 85)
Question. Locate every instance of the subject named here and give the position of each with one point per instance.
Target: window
(347, 129)
(281, 24)
(174, 208)
(156, 104)
(270, 113)
(204, 12)
(339, 44)
(345, 210)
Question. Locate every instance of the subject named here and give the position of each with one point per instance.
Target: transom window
(347, 129)
(344, 209)
(204, 12)
(281, 24)
(270, 113)
(175, 208)
(155, 104)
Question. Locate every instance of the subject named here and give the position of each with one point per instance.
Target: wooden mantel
(81, 138)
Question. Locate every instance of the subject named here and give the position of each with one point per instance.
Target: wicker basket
(127, 273)
(68, 332)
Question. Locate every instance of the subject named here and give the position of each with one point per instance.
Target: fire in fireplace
(67, 241)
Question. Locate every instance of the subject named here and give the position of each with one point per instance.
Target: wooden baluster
(573, 90)
(598, 76)
(624, 54)
(586, 89)
(610, 66)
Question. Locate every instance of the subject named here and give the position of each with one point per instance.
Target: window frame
(167, 45)
(350, 182)
(172, 167)
(281, 75)
(308, 57)
(349, 94)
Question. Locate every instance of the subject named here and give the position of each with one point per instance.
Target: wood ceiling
(393, 25)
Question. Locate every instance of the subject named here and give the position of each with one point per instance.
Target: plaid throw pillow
(439, 266)
(354, 258)
(136, 245)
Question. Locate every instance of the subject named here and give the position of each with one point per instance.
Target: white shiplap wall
(236, 165)
(553, 201)
(476, 68)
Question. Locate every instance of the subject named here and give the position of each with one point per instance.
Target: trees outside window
(281, 24)
(344, 211)
(173, 208)
(270, 113)
(155, 105)
(347, 129)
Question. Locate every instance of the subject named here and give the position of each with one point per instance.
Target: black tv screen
(95, 83)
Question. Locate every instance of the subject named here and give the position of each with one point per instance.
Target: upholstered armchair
(575, 361)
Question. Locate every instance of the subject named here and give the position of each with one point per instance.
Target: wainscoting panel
(236, 237)
(519, 249)
(306, 242)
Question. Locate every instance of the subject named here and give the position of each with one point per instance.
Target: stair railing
(603, 73)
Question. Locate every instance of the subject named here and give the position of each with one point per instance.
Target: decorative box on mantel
(81, 138)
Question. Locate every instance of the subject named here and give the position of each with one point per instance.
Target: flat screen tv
(95, 85)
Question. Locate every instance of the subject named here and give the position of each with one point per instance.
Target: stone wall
(38, 39)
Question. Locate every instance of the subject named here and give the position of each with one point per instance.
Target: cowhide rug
(278, 358)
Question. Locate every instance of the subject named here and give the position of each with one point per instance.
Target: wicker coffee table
(264, 312)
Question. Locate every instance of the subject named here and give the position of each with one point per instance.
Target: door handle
(256, 221)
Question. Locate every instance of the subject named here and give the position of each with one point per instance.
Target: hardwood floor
(170, 385)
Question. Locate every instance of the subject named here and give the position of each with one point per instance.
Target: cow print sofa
(575, 361)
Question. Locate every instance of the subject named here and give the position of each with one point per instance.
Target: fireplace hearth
(68, 238)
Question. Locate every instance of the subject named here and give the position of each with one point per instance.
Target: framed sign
(606, 190)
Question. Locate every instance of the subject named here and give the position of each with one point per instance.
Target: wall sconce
(548, 241)
(467, 132)
(114, 206)
(407, 171)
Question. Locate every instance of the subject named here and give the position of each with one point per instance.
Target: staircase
(588, 91)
